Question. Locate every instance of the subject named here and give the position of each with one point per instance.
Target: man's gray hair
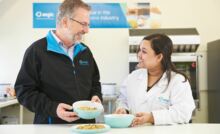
(68, 7)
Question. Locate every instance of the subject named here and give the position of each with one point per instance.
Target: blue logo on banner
(108, 15)
(44, 15)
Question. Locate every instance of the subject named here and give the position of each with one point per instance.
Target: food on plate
(91, 126)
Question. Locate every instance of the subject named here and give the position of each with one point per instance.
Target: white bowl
(119, 120)
(87, 114)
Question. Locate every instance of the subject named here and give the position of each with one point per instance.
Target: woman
(139, 65)
(156, 93)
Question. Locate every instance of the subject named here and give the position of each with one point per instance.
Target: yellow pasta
(91, 126)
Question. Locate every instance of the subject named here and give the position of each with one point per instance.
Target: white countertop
(147, 129)
(8, 102)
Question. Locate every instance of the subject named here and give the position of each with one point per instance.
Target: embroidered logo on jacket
(83, 62)
(163, 100)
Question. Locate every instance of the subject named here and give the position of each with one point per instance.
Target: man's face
(78, 24)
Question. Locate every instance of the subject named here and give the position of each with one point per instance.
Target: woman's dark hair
(162, 44)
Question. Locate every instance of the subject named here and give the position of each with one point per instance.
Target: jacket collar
(53, 45)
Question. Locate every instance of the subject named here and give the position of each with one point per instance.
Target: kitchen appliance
(109, 96)
(213, 62)
(108, 89)
(185, 41)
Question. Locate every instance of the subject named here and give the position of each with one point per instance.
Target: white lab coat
(169, 104)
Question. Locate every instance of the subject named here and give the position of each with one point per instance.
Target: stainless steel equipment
(213, 59)
(108, 89)
(109, 96)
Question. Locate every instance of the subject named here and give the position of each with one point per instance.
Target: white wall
(109, 46)
(16, 34)
(110, 49)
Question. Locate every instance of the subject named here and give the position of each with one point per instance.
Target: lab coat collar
(161, 85)
(163, 80)
(143, 74)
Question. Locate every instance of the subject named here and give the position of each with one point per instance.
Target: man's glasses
(84, 24)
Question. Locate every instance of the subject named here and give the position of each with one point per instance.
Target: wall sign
(108, 15)
(44, 15)
(103, 15)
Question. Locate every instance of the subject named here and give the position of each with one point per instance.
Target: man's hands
(64, 114)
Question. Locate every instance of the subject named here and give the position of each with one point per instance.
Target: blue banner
(108, 15)
(103, 15)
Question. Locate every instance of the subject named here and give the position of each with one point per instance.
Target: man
(58, 69)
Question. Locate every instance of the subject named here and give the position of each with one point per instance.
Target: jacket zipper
(76, 83)
(74, 73)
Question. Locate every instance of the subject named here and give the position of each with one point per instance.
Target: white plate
(92, 131)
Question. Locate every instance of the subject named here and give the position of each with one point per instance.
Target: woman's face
(139, 65)
(147, 56)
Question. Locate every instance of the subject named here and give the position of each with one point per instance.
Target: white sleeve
(122, 101)
(181, 105)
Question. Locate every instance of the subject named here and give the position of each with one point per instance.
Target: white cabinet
(11, 112)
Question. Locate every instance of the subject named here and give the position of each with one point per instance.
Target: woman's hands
(96, 99)
(120, 111)
(142, 118)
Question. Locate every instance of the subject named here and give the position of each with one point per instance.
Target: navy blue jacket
(48, 77)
